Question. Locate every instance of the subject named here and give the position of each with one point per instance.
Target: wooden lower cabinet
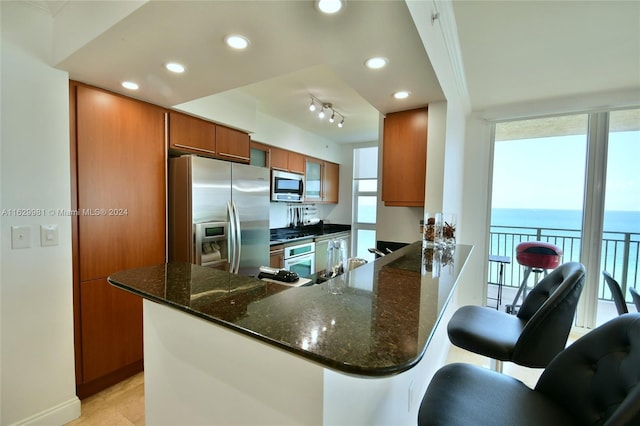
(118, 180)
(109, 341)
(276, 256)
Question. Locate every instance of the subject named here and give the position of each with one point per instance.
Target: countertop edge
(310, 356)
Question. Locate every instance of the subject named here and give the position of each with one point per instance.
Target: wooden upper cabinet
(192, 134)
(233, 145)
(404, 158)
(322, 181)
(296, 162)
(289, 161)
(121, 183)
(330, 182)
(279, 159)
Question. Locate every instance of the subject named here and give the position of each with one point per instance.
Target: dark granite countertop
(381, 324)
(298, 234)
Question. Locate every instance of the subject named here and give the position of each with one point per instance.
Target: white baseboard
(56, 415)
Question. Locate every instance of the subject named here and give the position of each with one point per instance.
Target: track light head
(325, 106)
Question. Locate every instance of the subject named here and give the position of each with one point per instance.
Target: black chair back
(549, 310)
(616, 293)
(636, 297)
(597, 378)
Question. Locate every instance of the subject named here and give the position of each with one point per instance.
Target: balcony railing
(620, 254)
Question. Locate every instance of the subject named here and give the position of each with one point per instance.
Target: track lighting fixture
(325, 108)
(321, 113)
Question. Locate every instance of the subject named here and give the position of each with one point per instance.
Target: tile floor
(119, 405)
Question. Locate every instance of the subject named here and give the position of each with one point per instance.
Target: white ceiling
(512, 51)
(294, 52)
(517, 50)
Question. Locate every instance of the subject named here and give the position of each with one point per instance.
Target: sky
(548, 173)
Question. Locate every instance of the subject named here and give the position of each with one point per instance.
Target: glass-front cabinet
(313, 181)
(322, 180)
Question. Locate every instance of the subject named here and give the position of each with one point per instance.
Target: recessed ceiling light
(129, 85)
(175, 67)
(376, 62)
(329, 6)
(236, 41)
(401, 95)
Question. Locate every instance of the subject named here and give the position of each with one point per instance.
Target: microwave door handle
(238, 237)
(231, 237)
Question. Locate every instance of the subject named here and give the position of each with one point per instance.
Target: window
(548, 176)
(365, 189)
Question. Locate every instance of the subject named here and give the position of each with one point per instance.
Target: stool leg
(496, 365)
(511, 309)
(500, 283)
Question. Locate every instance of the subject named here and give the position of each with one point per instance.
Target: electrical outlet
(20, 237)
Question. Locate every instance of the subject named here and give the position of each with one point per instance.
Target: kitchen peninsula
(227, 349)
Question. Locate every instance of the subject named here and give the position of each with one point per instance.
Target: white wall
(37, 359)
(463, 185)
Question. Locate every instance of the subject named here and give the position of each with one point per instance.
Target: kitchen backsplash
(283, 215)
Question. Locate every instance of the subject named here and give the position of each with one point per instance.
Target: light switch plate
(20, 237)
(48, 235)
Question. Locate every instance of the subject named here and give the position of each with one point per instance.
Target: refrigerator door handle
(238, 237)
(232, 238)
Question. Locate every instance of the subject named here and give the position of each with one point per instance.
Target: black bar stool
(501, 261)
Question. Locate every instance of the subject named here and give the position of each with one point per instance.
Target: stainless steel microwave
(287, 186)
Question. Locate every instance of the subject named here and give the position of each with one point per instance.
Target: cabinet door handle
(234, 156)
(193, 148)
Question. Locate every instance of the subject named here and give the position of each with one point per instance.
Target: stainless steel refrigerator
(218, 214)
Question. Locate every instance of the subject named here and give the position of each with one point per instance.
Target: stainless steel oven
(301, 258)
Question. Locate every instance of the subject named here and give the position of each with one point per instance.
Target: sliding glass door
(538, 193)
(572, 181)
(621, 229)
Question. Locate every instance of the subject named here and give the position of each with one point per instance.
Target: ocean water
(614, 221)
(562, 227)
